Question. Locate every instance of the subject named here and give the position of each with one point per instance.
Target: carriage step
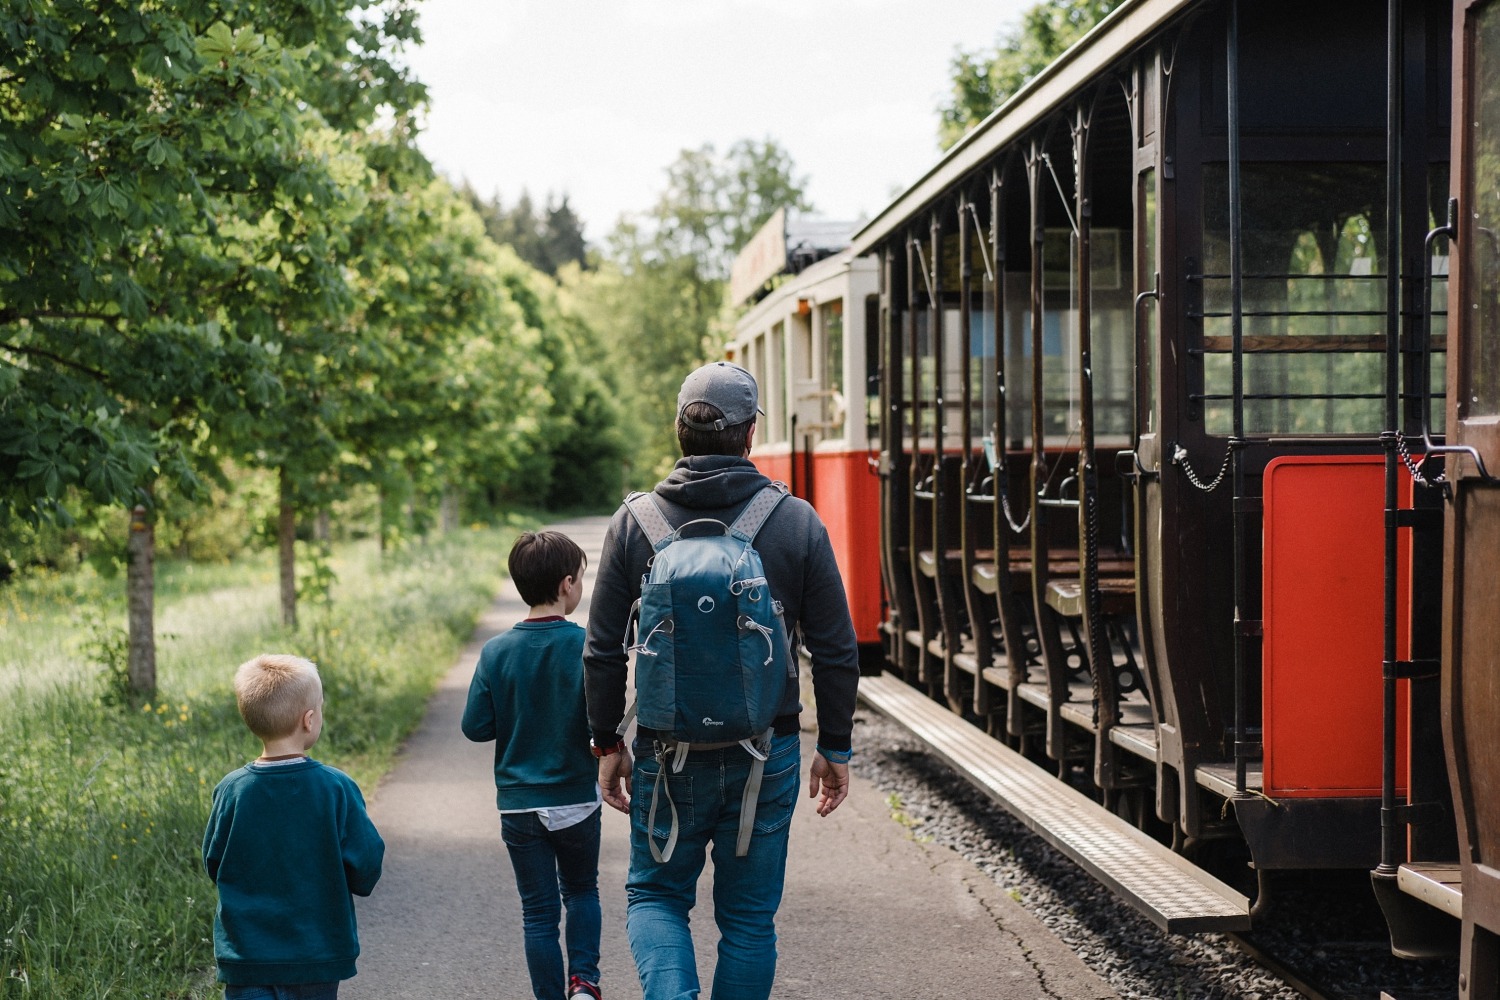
(1440, 885)
(1175, 895)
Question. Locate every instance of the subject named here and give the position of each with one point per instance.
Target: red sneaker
(580, 987)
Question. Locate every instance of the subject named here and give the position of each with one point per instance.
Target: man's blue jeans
(747, 891)
(556, 868)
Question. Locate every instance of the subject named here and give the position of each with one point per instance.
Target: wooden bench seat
(927, 558)
(1116, 596)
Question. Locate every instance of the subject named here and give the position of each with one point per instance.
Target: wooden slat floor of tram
(1171, 892)
(868, 911)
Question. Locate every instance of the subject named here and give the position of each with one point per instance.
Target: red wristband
(599, 751)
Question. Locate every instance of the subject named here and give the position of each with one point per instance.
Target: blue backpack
(712, 656)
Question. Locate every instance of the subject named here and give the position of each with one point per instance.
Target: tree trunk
(286, 532)
(140, 603)
(380, 528)
(323, 527)
(450, 511)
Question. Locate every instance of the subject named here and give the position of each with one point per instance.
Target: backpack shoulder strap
(748, 524)
(648, 515)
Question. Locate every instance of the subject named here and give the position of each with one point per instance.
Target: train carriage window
(831, 389)
(1481, 392)
(775, 372)
(1018, 358)
(1059, 338)
(1313, 304)
(755, 364)
(925, 378)
(955, 342)
(1111, 334)
(1437, 215)
(982, 385)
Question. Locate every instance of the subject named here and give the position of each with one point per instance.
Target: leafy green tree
(657, 301)
(712, 205)
(985, 78)
(173, 182)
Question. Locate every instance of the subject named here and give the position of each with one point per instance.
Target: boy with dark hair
(527, 696)
(287, 842)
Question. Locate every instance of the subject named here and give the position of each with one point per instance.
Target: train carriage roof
(1094, 53)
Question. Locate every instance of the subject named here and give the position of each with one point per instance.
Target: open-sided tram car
(1135, 364)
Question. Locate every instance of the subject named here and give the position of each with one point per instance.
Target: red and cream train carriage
(810, 341)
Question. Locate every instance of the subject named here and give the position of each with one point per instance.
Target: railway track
(1303, 982)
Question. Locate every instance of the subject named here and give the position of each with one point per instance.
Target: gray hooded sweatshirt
(801, 571)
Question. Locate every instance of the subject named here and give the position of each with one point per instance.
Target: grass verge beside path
(102, 806)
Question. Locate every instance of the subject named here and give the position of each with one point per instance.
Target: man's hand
(614, 779)
(831, 779)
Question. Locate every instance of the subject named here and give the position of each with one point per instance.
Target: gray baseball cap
(723, 385)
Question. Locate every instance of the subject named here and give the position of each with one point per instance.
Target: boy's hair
(273, 690)
(539, 563)
(729, 441)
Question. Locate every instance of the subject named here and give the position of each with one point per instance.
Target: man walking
(701, 790)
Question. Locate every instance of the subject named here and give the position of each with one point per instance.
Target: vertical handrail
(1431, 447)
(1236, 443)
(1390, 824)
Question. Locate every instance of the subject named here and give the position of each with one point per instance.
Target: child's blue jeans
(556, 868)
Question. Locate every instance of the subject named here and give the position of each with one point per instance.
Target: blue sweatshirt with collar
(286, 845)
(527, 696)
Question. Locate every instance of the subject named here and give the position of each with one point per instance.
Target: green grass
(102, 807)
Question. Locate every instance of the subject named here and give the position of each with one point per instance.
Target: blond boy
(288, 842)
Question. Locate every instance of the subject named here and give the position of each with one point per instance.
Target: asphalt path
(868, 912)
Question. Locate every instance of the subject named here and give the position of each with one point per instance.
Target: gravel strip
(1329, 929)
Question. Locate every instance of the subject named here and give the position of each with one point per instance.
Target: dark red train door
(1471, 654)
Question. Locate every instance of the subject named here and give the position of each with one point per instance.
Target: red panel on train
(1324, 614)
(847, 497)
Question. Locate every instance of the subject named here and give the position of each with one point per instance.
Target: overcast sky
(594, 98)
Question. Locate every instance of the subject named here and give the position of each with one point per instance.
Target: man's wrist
(835, 756)
(606, 749)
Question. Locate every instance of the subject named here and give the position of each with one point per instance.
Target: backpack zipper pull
(746, 624)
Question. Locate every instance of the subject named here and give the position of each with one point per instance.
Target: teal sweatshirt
(527, 696)
(286, 844)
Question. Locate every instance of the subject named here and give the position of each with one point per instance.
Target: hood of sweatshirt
(711, 482)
